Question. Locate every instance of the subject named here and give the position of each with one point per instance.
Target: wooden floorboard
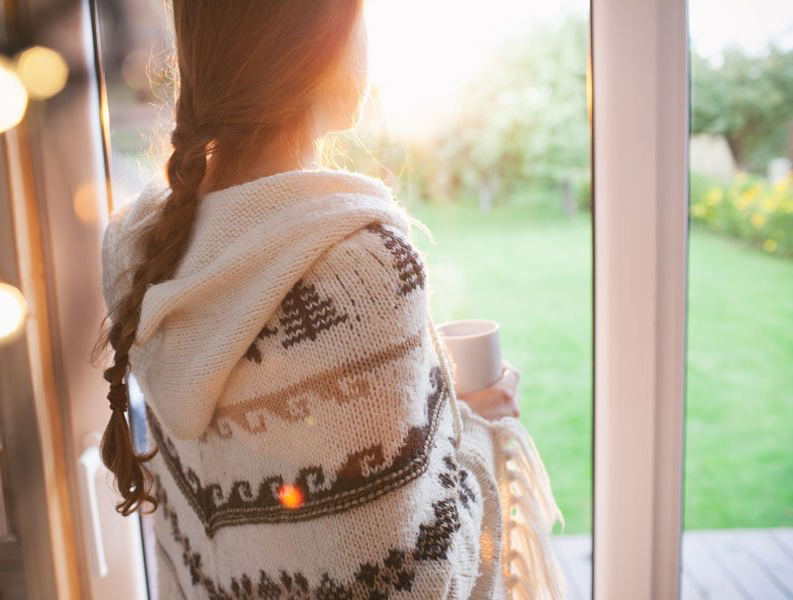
(761, 544)
(730, 564)
(785, 539)
(575, 552)
(736, 562)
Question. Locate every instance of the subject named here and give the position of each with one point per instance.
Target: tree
(748, 100)
(525, 119)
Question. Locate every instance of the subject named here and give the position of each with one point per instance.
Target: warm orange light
(85, 204)
(13, 97)
(43, 71)
(290, 496)
(13, 311)
(487, 550)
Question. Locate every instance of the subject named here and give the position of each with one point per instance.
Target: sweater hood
(251, 243)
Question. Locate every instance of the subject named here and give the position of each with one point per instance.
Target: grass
(739, 453)
(532, 273)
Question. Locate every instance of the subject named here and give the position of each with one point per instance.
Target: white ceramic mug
(474, 346)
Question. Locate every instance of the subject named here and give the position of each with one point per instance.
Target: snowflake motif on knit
(457, 478)
(406, 260)
(253, 353)
(306, 314)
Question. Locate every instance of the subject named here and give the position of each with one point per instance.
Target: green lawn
(532, 273)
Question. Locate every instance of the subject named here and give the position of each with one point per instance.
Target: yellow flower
(770, 245)
(758, 219)
(769, 204)
(744, 200)
(714, 196)
(698, 210)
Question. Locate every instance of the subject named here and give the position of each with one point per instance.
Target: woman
(309, 443)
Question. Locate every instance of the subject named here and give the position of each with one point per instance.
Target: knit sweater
(310, 441)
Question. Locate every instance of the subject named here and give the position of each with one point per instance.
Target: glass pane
(739, 456)
(478, 119)
(483, 129)
(136, 59)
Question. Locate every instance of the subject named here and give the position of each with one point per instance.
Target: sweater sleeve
(380, 500)
(439, 516)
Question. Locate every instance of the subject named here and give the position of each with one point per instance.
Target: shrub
(749, 208)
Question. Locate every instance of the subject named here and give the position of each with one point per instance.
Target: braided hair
(249, 71)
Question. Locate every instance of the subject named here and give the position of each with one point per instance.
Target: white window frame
(640, 170)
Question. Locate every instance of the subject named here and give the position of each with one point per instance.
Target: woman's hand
(500, 399)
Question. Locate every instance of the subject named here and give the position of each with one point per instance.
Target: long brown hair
(249, 73)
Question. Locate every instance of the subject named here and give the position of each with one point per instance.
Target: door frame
(640, 72)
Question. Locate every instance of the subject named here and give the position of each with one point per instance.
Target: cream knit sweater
(311, 445)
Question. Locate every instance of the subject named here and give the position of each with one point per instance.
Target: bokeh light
(13, 311)
(290, 496)
(85, 204)
(134, 70)
(43, 71)
(13, 97)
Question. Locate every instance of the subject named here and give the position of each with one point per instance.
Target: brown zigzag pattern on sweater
(406, 260)
(393, 573)
(363, 477)
(342, 384)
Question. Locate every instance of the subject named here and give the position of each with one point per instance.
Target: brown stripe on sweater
(342, 384)
(363, 477)
(394, 572)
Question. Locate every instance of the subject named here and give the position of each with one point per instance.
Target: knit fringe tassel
(531, 571)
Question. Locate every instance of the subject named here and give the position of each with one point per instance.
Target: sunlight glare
(419, 60)
(424, 53)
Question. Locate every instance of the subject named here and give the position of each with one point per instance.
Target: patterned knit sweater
(310, 442)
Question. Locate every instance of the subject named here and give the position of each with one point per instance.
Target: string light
(13, 312)
(43, 72)
(13, 96)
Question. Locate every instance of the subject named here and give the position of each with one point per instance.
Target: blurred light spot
(13, 310)
(290, 496)
(486, 549)
(310, 420)
(134, 70)
(13, 97)
(85, 204)
(43, 71)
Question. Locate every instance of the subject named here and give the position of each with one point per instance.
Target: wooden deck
(725, 564)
